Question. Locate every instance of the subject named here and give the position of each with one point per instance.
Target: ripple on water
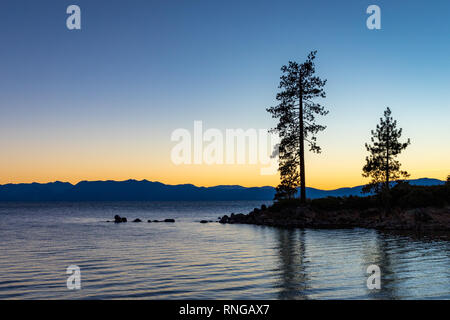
(205, 261)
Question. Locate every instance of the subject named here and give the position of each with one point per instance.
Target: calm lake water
(189, 260)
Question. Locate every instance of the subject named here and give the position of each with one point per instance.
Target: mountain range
(133, 190)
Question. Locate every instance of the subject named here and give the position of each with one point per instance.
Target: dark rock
(169, 220)
(263, 207)
(119, 219)
(203, 221)
(224, 219)
(156, 221)
(137, 220)
(369, 213)
(240, 218)
(421, 216)
(149, 221)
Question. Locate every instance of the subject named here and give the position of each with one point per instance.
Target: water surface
(189, 260)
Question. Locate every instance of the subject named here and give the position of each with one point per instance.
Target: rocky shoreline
(419, 219)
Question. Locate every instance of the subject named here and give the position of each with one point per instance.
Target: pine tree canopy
(381, 164)
(297, 83)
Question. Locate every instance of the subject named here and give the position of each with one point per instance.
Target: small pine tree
(381, 164)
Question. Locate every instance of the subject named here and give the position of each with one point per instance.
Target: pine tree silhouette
(296, 114)
(381, 165)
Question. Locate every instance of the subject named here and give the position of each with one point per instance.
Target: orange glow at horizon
(320, 173)
(48, 160)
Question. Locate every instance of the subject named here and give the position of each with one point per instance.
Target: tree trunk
(302, 145)
(387, 162)
(387, 187)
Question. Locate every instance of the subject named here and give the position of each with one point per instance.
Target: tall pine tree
(296, 114)
(381, 165)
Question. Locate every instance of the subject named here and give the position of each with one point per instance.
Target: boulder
(119, 219)
(421, 216)
(169, 220)
(203, 221)
(137, 220)
(240, 217)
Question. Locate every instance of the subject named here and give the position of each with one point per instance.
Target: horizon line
(181, 184)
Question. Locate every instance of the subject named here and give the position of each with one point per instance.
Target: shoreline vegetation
(413, 208)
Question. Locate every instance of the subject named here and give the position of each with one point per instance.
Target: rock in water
(169, 220)
(203, 221)
(137, 220)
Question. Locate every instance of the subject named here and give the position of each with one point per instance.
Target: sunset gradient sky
(101, 103)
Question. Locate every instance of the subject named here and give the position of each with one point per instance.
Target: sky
(101, 103)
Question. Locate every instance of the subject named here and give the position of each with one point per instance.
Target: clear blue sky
(140, 69)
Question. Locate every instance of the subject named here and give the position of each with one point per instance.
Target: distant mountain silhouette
(133, 190)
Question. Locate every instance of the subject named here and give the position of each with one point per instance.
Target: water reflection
(377, 252)
(291, 264)
(314, 264)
